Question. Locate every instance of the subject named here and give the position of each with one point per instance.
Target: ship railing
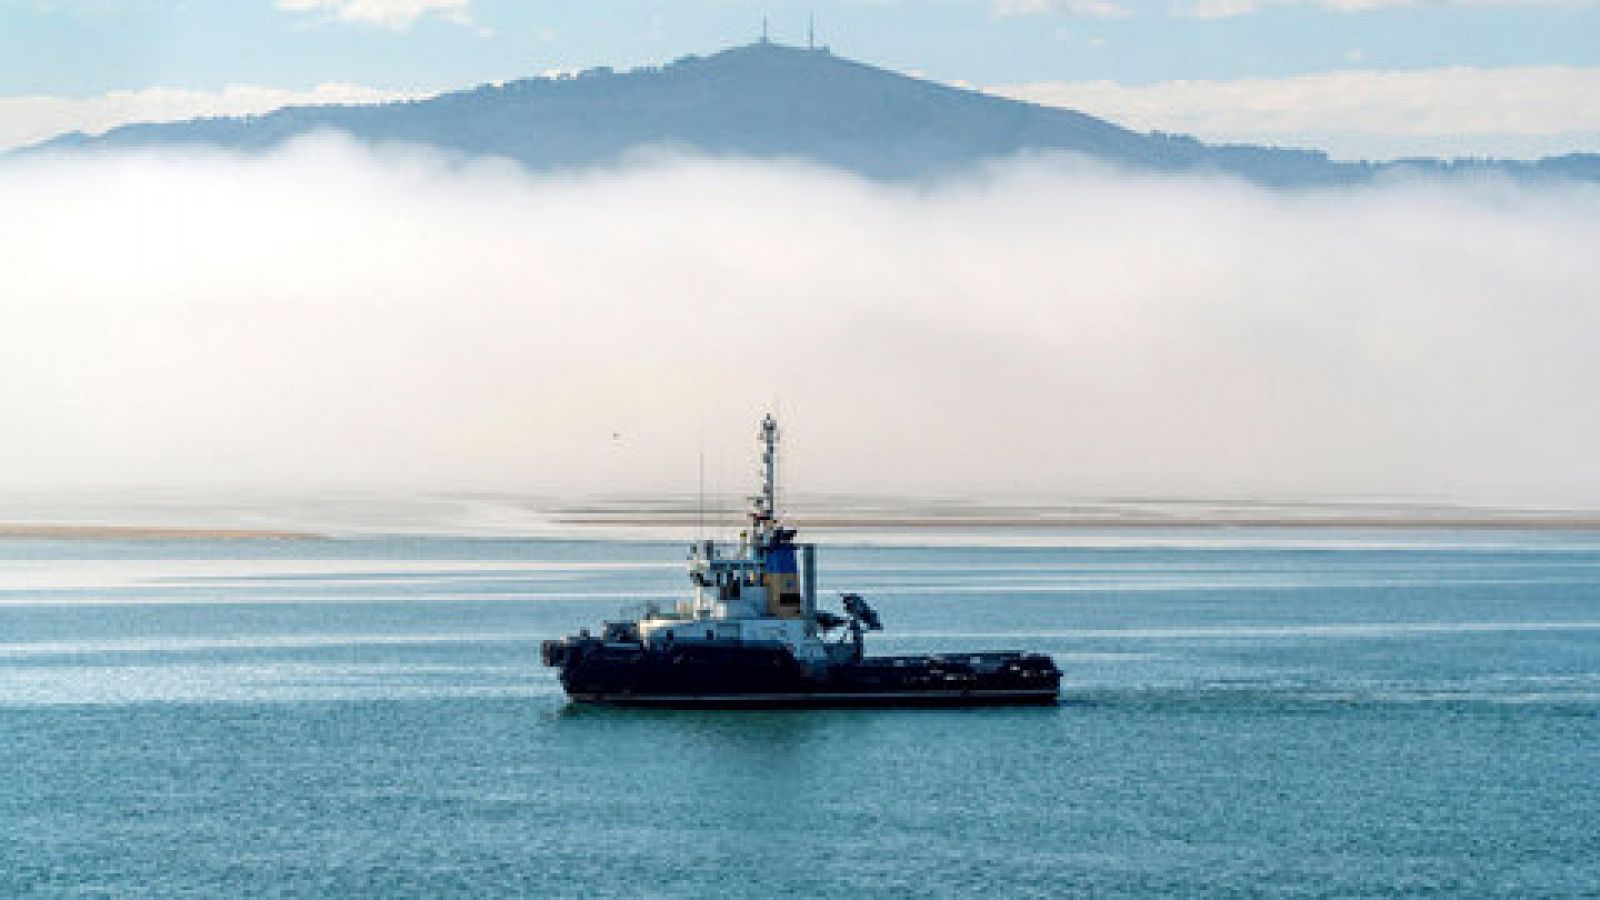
(635, 611)
(978, 662)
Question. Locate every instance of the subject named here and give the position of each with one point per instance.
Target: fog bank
(333, 316)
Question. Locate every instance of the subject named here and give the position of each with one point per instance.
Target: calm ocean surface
(1297, 713)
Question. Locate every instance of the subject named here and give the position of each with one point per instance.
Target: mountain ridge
(767, 100)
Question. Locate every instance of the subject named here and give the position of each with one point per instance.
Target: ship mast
(766, 503)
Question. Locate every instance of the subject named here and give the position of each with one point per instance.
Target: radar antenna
(863, 618)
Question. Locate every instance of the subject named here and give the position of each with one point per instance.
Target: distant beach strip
(146, 533)
(625, 518)
(1506, 521)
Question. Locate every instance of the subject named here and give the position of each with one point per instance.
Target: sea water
(1300, 713)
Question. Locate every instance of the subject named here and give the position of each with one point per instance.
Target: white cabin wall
(792, 632)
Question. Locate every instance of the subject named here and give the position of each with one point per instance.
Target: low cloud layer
(1516, 111)
(332, 316)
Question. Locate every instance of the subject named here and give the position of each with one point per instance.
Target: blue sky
(1183, 65)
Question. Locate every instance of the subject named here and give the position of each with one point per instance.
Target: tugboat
(751, 636)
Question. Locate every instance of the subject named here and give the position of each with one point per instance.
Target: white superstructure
(762, 590)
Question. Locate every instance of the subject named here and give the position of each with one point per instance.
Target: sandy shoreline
(148, 533)
(1004, 523)
(585, 523)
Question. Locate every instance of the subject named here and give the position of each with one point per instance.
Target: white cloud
(1223, 9)
(29, 119)
(386, 13)
(1089, 9)
(324, 315)
(1513, 111)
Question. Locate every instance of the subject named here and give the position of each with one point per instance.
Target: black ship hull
(819, 700)
(745, 676)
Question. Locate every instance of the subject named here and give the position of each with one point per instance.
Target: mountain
(767, 100)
